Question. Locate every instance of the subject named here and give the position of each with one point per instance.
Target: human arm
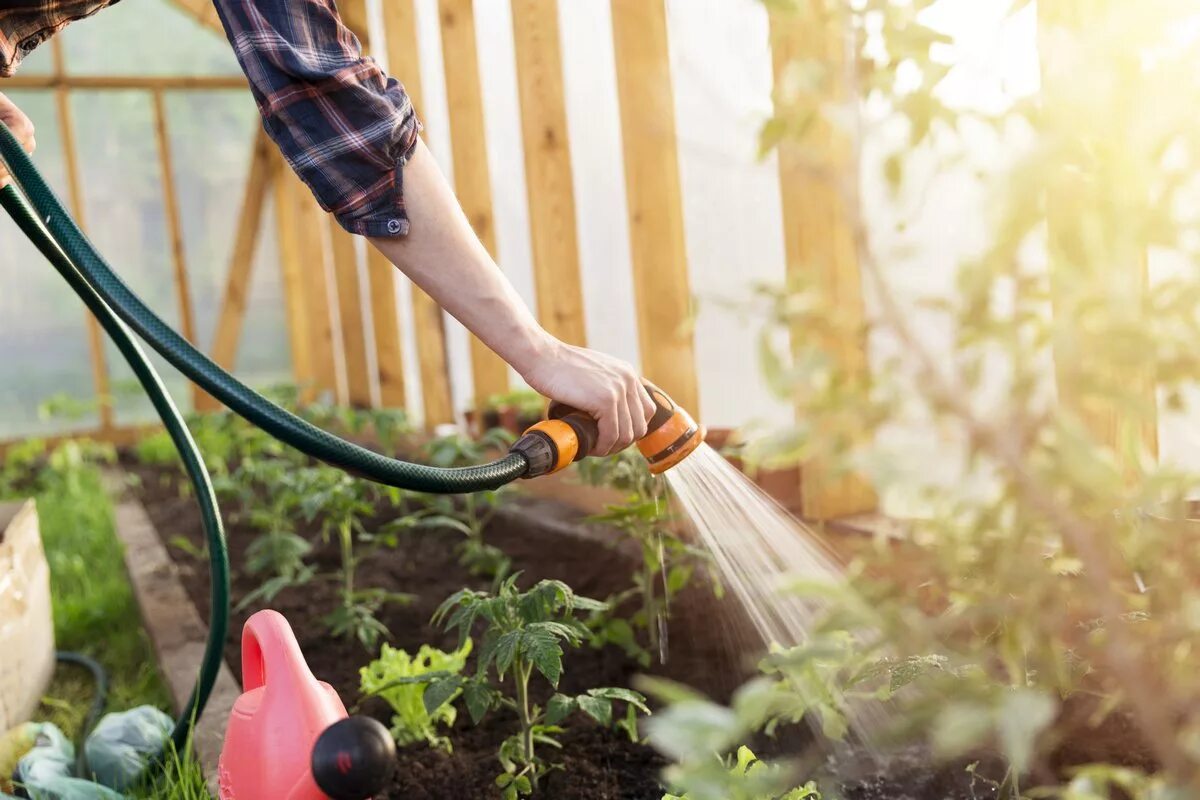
(442, 255)
(351, 134)
(21, 128)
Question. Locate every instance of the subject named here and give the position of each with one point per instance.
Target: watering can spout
(289, 736)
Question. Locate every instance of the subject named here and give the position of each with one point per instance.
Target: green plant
(528, 403)
(1043, 566)
(524, 633)
(268, 493)
(341, 502)
(19, 470)
(401, 680)
(93, 602)
(471, 513)
(744, 777)
(667, 561)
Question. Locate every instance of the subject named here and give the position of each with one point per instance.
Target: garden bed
(545, 539)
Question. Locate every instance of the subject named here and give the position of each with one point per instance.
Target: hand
(21, 127)
(605, 387)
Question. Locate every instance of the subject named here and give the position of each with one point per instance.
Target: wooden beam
(66, 126)
(315, 269)
(548, 174)
(183, 289)
(660, 271)
(296, 307)
(404, 62)
(203, 11)
(385, 319)
(472, 181)
(174, 83)
(818, 236)
(1105, 268)
(354, 338)
(116, 435)
(241, 264)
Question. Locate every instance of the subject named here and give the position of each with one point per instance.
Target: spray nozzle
(570, 434)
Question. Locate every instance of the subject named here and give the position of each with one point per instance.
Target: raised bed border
(176, 631)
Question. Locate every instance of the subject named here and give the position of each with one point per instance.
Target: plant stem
(347, 541)
(650, 609)
(523, 673)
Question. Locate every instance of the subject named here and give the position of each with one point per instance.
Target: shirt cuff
(386, 218)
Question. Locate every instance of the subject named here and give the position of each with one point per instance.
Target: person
(351, 134)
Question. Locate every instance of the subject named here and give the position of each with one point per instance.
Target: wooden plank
(66, 126)
(385, 318)
(819, 240)
(241, 264)
(175, 83)
(1084, 269)
(183, 289)
(176, 630)
(116, 435)
(203, 11)
(548, 174)
(404, 62)
(660, 272)
(296, 307)
(472, 181)
(354, 339)
(315, 269)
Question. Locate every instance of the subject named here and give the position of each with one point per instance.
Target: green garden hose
(41, 217)
(193, 463)
(205, 373)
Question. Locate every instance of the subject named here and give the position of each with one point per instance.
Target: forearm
(443, 256)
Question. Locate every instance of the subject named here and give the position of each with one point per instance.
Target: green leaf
(629, 724)
(960, 727)
(440, 692)
(479, 699)
(598, 708)
(542, 650)
(559, 708)
(506, 650)
(693, 730)
(1022, 716)
(635, 699)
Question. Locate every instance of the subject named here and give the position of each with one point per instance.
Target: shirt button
(393, 226)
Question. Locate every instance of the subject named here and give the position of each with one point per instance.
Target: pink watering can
(289, 737)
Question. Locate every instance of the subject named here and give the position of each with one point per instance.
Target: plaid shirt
(343, 125)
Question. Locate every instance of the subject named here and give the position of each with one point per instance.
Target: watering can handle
(271, 655)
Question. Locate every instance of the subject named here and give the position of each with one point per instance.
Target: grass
(181, 779)
(93, 600)
(94, 607)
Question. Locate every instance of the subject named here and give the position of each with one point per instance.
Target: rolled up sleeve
(343, 125)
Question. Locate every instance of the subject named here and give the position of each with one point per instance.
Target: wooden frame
(818, 237)
(330, 345)
(655, 198)
(472, 180)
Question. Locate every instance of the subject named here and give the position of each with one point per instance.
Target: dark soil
(544, 540)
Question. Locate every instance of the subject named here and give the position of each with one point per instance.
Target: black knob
(354, 759)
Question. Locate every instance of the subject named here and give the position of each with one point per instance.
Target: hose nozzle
(570, 434)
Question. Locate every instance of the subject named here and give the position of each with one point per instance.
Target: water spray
(336, 762)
